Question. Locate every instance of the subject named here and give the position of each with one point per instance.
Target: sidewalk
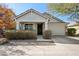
(77, 38)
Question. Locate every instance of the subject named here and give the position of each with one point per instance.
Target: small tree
(6, 19)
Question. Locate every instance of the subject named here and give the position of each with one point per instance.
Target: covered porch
(37, 27)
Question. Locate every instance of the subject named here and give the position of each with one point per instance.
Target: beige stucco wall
(57, 28)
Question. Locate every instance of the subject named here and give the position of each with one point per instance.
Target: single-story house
(38, 22)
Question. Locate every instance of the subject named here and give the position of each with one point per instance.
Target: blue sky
(41, 7)
(21, 7)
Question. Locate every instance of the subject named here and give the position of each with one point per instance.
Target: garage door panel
(57, 28)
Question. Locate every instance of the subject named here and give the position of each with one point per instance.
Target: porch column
(46, 25)
(23, 26)
(17, 25)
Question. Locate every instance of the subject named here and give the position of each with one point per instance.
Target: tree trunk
(1, 33)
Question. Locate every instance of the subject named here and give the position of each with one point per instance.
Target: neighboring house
(76, 26)
(38, 22)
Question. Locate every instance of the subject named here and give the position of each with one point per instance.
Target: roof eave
(18, 16)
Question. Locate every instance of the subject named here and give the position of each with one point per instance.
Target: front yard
(62, 46)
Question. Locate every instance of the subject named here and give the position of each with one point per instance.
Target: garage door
(57, 28)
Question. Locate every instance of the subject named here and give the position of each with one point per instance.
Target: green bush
(21, 35)
(47, 34)
(71, 31)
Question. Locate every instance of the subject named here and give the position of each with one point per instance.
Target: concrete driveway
(63, 46)
(67, 46)
(66, 40)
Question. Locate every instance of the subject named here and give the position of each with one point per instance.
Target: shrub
(3, 40)
(47, 34)
(71, 31)
(21, 35)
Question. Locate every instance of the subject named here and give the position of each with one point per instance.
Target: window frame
(28, 26)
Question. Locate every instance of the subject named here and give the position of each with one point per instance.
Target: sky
(21, 7)
(41, 7)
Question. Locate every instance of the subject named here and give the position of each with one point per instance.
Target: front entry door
(40, 29)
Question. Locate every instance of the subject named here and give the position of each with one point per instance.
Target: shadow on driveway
(65, 40)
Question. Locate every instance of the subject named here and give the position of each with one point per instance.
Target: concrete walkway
(63, 46)
(40, 38)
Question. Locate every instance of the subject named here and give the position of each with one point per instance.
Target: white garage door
(57, 28)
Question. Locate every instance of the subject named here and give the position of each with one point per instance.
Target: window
(28, 26)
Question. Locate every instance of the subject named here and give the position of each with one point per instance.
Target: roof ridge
(30, 10)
